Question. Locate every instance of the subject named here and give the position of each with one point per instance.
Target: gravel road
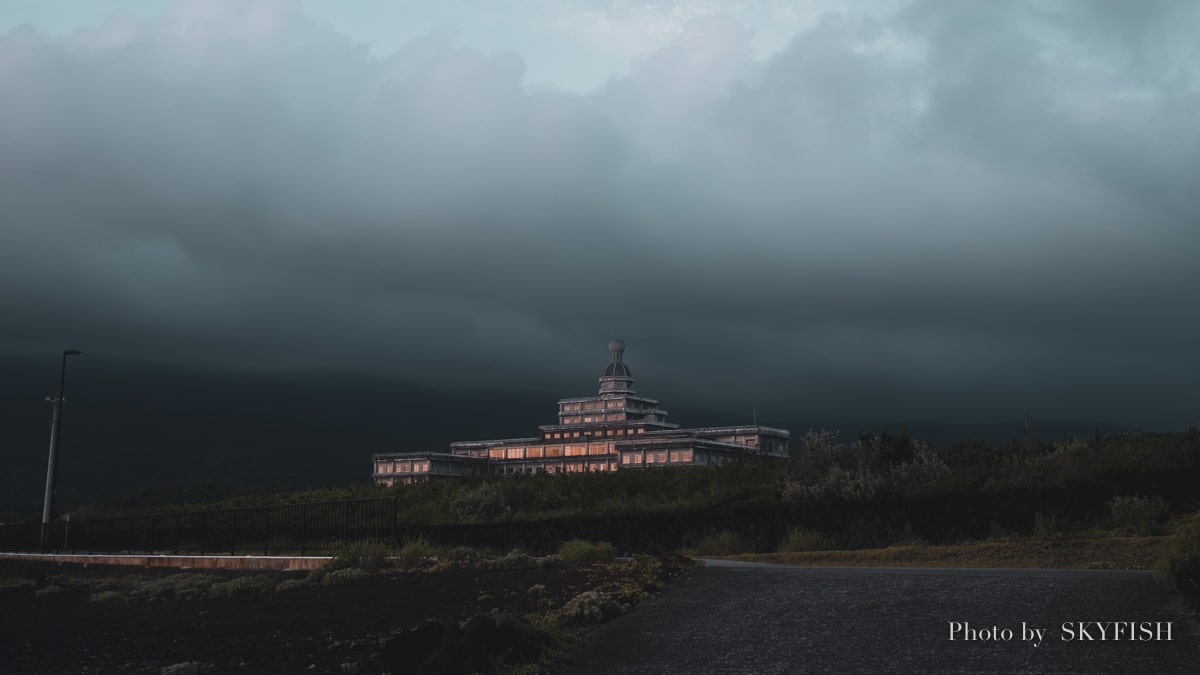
(756, 618)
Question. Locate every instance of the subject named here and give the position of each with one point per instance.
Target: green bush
(798, 540)
(514, 559)
(344, 576)
(292, 584)
(1138, 516)
(481, 503)
(415, 553)
(724, 542)
(369, 556)
(240, 585)
(590, 607)
(1046, 526)
(1181, 566)
(580, 551)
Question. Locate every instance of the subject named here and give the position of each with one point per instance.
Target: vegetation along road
(737, 617)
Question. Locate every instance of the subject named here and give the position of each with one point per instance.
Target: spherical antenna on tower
(616, 347)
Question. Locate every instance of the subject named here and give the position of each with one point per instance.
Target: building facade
(614, 430)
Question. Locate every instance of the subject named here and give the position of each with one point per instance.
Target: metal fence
(291, 529)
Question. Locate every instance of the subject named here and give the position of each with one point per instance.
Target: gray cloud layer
(963, 209)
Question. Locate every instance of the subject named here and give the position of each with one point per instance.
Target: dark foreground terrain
(735, 617)
(321, 629)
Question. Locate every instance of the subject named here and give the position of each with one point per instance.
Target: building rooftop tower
(617, 378)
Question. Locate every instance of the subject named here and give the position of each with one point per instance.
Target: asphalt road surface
(755, 618)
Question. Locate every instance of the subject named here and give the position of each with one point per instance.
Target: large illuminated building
(615, 429)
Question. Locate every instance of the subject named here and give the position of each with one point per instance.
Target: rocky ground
(72, 621)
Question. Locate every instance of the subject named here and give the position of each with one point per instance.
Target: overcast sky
(927, 209)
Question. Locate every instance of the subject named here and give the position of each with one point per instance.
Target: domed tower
(617, 378)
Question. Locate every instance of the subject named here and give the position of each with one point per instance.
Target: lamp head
(72, 352)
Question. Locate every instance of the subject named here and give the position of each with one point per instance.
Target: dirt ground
(317, 629)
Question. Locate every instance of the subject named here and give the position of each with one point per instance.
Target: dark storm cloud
(960, 209)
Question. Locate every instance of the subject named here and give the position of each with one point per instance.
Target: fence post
(203, 532)
(266, 528)
(178, 526)
(345, 522)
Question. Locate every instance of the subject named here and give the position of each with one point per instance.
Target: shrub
(724, 542)
(52, 589)
(1138, 516)
(580, 551)
(414, 553)
(1046, 526)
(798, 540)
(514, 559)
(481, 503)
(462, 555)
(292, 584)
(369, 556)
(344, 576)
(1181, 566)
(590, 607)
(239, 585)
(109, 596)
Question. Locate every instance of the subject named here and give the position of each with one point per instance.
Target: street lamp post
(52, 465)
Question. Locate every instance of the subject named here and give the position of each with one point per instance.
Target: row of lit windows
(539, 451)
(570, 467)
(660, 457)
(591, 405)
(607, 432)
(587, 419)
(404, 467)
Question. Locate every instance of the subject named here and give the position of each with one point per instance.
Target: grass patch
(15, 582)
(1138, 516)
(1180, 563)
(239, 585)
(725, 542)
(415, 553)
(369, 556)
(579, 551)
(1127, 553)
(798, 540)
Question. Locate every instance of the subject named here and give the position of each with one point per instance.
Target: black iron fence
(290, 529)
